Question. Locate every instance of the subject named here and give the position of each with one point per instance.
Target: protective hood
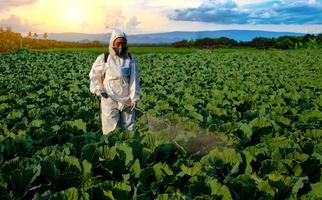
(116, 33)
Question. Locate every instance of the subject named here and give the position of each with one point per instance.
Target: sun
(73, 14)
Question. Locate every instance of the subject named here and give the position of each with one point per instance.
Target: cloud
(131, 25)
(116, 19)
(7, 4)
(220, 12)
(272, 12)
(18, 25)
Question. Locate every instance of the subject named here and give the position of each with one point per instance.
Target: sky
(150, 16)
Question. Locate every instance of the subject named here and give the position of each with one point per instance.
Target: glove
(101, 93)
(104, 94)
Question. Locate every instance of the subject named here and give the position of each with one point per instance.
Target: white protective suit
(121, 83)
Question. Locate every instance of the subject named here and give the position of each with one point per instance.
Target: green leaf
(72, 161)
(146, 153)
(147, 176)
(87, 168)
(219, 190)
(299, 184)
(37, 123)
(65, 171)
(283, 120)
(20, 173)
(191, 171)
(172, 196)
(268, 166)
(161, 170)
(264, 186)
(78, 124)
(317, 189)
(135, 169)
(124, 152)
(166, 152)
(4, 107)
(243, 187)
(70, 194)
(226, 155)
(110, 190)
(260, 122)
(14, 115)
(247, 130)
(308, 115)
(90, 153)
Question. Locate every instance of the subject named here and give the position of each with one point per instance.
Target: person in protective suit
(115, 78)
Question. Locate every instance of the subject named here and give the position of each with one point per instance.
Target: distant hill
(170, 37)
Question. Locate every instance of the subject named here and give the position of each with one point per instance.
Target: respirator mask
(120, 51)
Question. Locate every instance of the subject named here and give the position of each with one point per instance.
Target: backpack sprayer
(104, 93)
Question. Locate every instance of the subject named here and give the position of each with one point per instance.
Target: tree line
(284, 42)
(11, 41)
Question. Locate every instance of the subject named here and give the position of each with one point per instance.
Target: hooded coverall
(121, 83)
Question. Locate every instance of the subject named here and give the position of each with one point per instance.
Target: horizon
(100, 16)
(172, 32)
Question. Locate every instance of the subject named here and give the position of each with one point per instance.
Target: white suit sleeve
(135, 90)
(95, 74)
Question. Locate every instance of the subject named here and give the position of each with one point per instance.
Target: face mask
(120, 51)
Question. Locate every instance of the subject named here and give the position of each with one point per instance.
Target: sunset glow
(143, 16)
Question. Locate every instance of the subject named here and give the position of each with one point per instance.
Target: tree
(286, 42)
(45, 35)
(313, 43)
(204, 42)
(225, 42)
(319, 38)
(263, 43)
(181, 43)
(9, 40)
(29, 35)
(96, 43)
(35, 35)
(308, 37)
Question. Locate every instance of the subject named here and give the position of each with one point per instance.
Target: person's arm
(95, 75)
(135, 90)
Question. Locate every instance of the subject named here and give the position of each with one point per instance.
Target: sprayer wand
(147, 117)
(138, 109)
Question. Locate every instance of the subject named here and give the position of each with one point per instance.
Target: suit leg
(109, 114)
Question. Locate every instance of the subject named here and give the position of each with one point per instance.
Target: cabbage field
(237, 124)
